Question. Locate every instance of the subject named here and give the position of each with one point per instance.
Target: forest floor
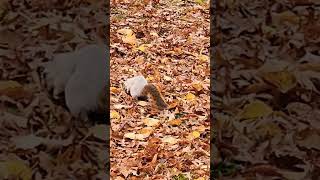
(168, 43)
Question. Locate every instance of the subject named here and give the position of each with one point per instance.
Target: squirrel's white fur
(82, 75)
(59, 71)
(135, 85)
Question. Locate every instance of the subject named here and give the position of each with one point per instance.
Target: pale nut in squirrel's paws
(135, 85)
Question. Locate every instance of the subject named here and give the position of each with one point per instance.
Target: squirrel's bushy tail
(156, 95)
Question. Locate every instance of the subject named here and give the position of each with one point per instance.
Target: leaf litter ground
(167, 42)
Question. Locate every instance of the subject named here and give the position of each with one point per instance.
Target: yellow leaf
(128, 36)
(256, 109)
(169, 139)
(197, 86)
(151, 122)
(114, 90)
(130, 135)
(284, 80)
(12, 89)
(143, 47)
(175, 122)
(190, 96)
(203, 58)
(9, 84)
(195, 134)
(200, 2)
(15, 168)
(132, 40)
(114, 115)
(146, 131)
(189, 39)
(200, 178)
(201, 128)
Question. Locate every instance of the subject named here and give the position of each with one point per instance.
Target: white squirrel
(83, 76)
(139, 88)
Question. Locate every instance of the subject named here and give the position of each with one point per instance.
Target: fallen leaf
(284, 80)
(115, 90)
(15, 168)
(193, 135)
(197, 86)
(142, 103)
(13, 89)
(256, 109)
(169, 139)
(174, 104)
(135, 136)
(143, 47)
(146, 131)
(99, 131)
(309, 140)
(151, 122)
(203, 58)
(175, 122)
(130, 135)
(114, 115)
(27, 142)
(190, 96)
(167, 78)
(126, 32)
(120, 106)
